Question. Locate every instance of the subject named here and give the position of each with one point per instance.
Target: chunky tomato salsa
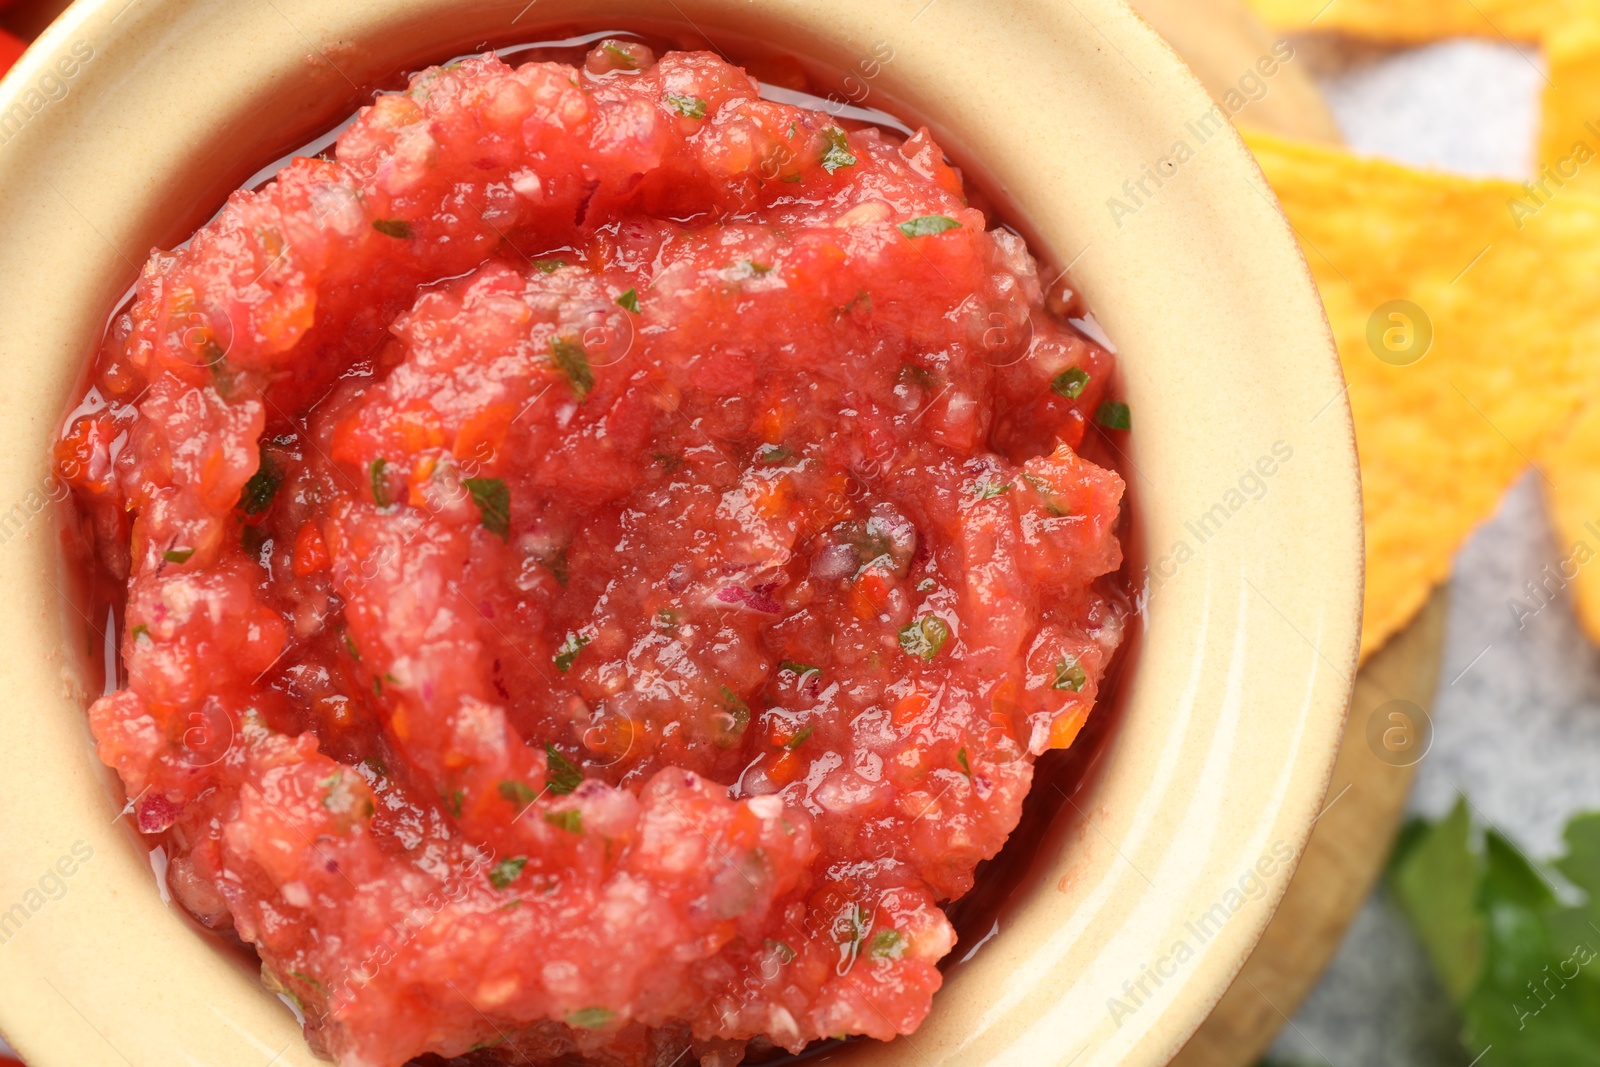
(601, 552)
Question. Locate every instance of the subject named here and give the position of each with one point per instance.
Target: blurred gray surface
(1517, 715)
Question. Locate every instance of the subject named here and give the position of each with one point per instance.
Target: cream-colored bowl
(129, 120)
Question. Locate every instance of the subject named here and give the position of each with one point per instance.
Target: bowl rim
(123, 927)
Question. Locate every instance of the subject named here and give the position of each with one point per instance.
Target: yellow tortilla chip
(1568, 31)
(1413, 21)
(1514, 306)
(1569, 134)
(1571, 467)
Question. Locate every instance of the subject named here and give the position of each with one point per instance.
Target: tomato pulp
(602, 552)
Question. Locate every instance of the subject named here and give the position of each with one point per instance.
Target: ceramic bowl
(129, 120)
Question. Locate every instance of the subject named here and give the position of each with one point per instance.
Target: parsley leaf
(520, 794)
(262, 487)
(571, 645)
(590, 1018)
(380, 486)
(177, 555)
(1069, 675)
(629, 300)
(1514, 957)
(690, 107)
(887, 945)
(986, 488)
(838, 152)
(397, 228)
(570, 356)
(549, 266)
(1114, 415)
(928, 225)
(502, 874)
(730, 719)
(561, 777)
(925, 637)
(494, 504)
(570, 820)
(1070, 382)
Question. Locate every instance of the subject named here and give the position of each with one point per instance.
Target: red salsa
(602, 552)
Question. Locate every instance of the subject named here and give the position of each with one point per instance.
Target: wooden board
(1223, 42)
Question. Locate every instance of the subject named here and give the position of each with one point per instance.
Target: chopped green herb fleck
(774, 454)
(549, 266)
(987, 488)
(177, 555)
(518, 793)
(911, 374)
(502, 874)
(1070, 382)
(397, 228)
(570, 820)
(454, 800)
(380, 487)
(1069, 675)
(961, 758)
(261, 488)
(560, 776)
(690, 107)
(1052, 503)
(556, 563)
(629, 300)
(1114, 415)
(925, 637)
(887, 945)
(341, 793)
(310, 981)
(800, 738)
(590, 1018)
(792, 178)
(570, 356)
(494, 504)
(801, 669)
(838, 153)
(731, 719)
(140, 631)
(570, 647)
(928, 225)
(351, 645)
(623, 57)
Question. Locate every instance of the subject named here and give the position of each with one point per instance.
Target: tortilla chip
(1571, 467)
(1514, 302)
(1415, 21)
(1569, 133)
